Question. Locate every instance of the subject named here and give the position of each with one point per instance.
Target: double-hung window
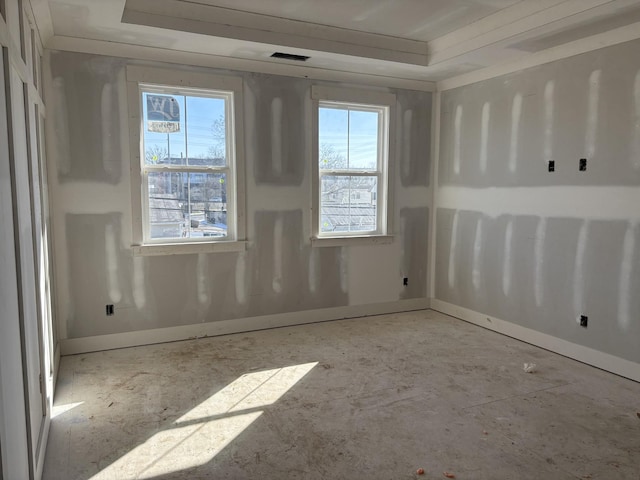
(351, 163)
(188, 185)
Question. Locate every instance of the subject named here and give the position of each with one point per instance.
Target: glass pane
(333, 143)
(164, 136)
(363, 140)
(348, 204)
(167, 208)
(187, 205)
(206, 132)
(207, 203)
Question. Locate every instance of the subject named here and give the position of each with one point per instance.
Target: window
(351, 157)
(188, 183)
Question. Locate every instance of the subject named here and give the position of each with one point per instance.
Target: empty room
(319, 239)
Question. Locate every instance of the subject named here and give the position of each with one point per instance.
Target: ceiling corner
(42, 16)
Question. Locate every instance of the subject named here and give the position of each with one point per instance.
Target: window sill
(188, 248)
(348, 241)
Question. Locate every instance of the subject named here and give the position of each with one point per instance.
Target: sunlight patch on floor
(200, 434)
(58, 410)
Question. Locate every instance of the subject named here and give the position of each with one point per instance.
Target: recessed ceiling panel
(591, 25)
(414, 19)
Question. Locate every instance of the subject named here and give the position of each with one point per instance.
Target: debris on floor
(420, 471)
(448, 474)
(530, 367)
(638, 414)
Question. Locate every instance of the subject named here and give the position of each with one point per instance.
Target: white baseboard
(605, 361)
(170, 334)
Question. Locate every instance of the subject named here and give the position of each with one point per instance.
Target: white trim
(166, 55)
(351, 240)
(188, 248)
(570, 49)
(225, 327)
(352, 96)
(587, 355)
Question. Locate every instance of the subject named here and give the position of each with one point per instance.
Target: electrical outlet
(405, 281)
(584, 321)
(552, 165)
(109, 310)
(583, 165)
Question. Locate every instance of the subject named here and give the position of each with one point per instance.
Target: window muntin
(187, 165)
(352, 168)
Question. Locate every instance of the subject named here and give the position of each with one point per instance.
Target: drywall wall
(539, 248)
(280, 272)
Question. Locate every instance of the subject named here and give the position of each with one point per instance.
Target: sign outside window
(163, 114)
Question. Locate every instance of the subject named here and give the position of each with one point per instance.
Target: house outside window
(351, 155)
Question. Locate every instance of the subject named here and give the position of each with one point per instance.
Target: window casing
(187, 192)
(351, 153)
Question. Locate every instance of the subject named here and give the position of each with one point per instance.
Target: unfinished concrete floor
(376, 398)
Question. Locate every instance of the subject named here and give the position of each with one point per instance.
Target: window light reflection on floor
(200, 434)
(58, 410)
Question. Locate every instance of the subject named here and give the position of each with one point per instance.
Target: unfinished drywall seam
(434, 188)
(484, 136)
(457, 140)
(625, 281)
(516, 115)
(549, 97)
(476, 268)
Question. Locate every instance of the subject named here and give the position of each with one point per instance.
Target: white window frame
(363, 100)
(166, 81)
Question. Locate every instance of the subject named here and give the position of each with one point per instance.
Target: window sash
(147, 218)
(228, 169)
(379, 211)
(383, 113)
(381, 171)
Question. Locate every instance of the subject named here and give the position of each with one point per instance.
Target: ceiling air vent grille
(290, 56)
